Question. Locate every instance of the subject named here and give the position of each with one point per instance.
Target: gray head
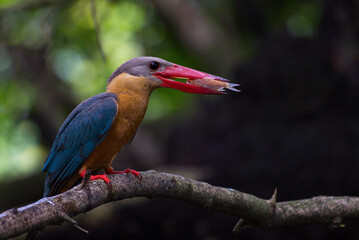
(142, 66)
(163, 73)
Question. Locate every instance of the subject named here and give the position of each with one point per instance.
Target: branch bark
(253, 211)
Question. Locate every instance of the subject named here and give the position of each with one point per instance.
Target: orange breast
(131, 110)
(130, 114)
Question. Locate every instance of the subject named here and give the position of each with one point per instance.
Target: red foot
(134, 172)
(94, 177)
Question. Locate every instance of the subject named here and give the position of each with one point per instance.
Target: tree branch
(253, 211)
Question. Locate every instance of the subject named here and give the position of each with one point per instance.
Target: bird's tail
(31, 235)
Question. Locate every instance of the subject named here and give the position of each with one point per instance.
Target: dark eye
(154, 65)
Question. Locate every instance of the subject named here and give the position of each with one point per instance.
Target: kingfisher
(101, 126)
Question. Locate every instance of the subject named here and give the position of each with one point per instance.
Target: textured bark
(253, 211)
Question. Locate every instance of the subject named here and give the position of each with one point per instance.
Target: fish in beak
(195, 81)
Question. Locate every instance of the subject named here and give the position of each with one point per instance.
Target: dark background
(294, 126)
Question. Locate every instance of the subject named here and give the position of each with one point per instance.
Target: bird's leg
(94, 177)
(109, 171)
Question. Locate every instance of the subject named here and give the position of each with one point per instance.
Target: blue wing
(85, 128)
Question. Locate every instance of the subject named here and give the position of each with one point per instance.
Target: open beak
(196, 81)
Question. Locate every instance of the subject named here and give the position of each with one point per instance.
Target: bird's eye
(154, 65)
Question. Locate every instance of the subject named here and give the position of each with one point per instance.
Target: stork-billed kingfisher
(99, 127)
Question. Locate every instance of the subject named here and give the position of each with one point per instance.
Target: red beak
(196, 81)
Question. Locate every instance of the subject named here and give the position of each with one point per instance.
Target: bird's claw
(102, 176)
(128, 170)
(87, 177)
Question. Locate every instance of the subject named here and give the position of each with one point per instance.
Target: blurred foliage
(19, 145)
(19, 137)
(67, 31)
(248, 21)
(127, 29)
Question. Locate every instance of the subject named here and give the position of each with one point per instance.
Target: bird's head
(154, 72)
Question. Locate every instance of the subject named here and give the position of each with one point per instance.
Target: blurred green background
(64, 34)
(294, 125)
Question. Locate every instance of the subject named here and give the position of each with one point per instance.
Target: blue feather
(83, 130)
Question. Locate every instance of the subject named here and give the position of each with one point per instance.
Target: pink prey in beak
(196, 81)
